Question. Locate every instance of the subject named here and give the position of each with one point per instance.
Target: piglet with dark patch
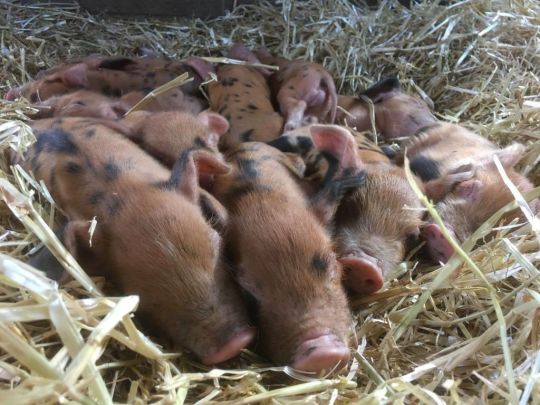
(82, 103)
(375, 222)
(304, 91)
(112, 77)
(284, 259)
(397, 114)
(151, 238)
(242, 96)
(459, 174)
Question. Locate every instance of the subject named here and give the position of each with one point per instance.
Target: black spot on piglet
(425, 168)
(246, 135)
(73, 168)
(112, 171)
(247, 168)
(55, 140)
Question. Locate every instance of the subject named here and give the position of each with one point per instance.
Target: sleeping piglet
(397, 114)
(151, 237)
(303, 90)
(112, 77)
(460, 175)
(242, 96)
(167, 134)
(284, 259)
(376, 222)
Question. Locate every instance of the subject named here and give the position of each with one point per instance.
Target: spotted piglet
(81, 103)
(460, 175)
(397, 114)
(112, 77)
(284, 259)
(376, 222)
(151, 238)
(87, 103)
(305, 91)
(242, 96)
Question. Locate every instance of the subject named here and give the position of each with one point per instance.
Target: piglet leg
(293, 110)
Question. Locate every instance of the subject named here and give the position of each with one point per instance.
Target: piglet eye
(412, 239)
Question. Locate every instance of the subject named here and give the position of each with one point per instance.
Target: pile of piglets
(254, 212)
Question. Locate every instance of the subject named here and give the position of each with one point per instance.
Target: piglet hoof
(362, 274)
(232, 348)
(290, 126)
(438, 247)
(310, 120)
(322, 354)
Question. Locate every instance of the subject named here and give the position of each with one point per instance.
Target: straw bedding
(466, 332)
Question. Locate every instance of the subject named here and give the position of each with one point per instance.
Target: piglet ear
(200, 66)
(437, 189)
(184, 176)
(241, 52)
(469, 190)
(85, 246)
(193, 167)
(383, 89)
(511, 155)
(208, 166)
(294, 163)
(338, 144)
(76, 75)
(216, 124)
(345, 169)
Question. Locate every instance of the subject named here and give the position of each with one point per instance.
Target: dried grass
(466, 332)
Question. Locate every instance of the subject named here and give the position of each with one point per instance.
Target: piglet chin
(438, 247)
(363, 275)
(321, 354)
(232, 348)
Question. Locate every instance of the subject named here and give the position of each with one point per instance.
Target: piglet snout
(438, 247)
(321, 354)
(363, 274)
(232, 348)
(13, 94)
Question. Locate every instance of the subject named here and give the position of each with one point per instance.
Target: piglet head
(374, 226)
(166, 134)
(82, 103)
(468, 196)
(397, 114)
(162, 249)
(59, 82)
(302, 309)
(345, 171)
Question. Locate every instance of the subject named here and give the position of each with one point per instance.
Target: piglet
(284, 259)
(376, 221)
(304, 90)
(242, 96)
(167, 134)
(112, 77)
(151, 238)
(397, 114)
(81, 103)
(459, 174)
